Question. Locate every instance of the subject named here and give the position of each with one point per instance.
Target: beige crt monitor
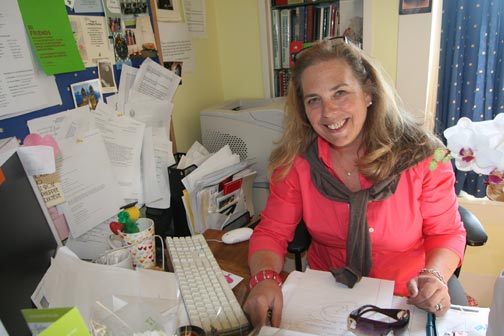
(250, 127)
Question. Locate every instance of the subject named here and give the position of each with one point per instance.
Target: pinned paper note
(50, 189)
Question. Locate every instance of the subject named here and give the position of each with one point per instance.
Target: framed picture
(414, 6)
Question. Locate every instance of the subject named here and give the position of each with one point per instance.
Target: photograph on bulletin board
(87, 93)
(106, 75)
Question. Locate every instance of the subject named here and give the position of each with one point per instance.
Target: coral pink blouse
(420, 216)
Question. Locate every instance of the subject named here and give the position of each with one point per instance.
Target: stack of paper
(218, 192)
(113, 155)
(71, 282)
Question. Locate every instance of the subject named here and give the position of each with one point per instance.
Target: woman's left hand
(429, 294)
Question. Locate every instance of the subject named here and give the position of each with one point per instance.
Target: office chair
(476, 236)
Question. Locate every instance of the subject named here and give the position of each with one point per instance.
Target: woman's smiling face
(335, 102)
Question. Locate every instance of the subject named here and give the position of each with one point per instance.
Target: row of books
(288, 2)
(305, 24)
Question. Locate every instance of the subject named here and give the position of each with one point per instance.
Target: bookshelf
(289, 25)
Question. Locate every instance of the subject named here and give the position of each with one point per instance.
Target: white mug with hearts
(141, 244)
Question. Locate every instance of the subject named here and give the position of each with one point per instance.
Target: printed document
(154, 80)
(315, 303)
(23, 87)
(123, 137)
(176, 44)
(88, 182)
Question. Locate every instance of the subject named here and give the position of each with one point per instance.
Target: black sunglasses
(391, 320)
(306, 46)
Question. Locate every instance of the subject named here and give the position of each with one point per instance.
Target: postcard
(90, 34)
(87, 93)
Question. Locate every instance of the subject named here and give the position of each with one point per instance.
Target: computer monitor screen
(26, 243)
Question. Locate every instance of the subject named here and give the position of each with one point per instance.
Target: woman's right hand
(265, 296)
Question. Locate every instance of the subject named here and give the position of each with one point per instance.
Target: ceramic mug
(119, 257)
(141, 244)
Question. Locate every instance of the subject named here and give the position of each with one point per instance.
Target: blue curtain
(471, 71)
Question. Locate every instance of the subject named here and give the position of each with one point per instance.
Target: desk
(234, 259)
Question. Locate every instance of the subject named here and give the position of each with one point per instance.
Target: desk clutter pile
(210, 191)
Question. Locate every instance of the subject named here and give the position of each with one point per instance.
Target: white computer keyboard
(208, 298)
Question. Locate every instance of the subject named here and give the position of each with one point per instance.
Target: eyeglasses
(306, 46)
(382, 325)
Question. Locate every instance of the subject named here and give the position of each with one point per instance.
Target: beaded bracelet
(265, 275)
(438, 275)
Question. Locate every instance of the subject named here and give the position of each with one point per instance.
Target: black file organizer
(181, 227)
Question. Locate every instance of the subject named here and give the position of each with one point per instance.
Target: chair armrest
(301, 240)
(476, 234)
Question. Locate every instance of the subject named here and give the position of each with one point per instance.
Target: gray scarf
(358, 239)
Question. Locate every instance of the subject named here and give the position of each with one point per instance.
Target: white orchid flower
(477, 146)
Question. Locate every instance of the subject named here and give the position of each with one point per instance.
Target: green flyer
(55, 321)
(51, 36)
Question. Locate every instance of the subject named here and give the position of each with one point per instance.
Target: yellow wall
(201, 88)
(482, 264)
(384, 28)
(240, 48)
(227, 66)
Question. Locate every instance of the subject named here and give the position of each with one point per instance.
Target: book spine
(302, 23)
(275, 25)
(309, 23)
(297, 24)
(325, 25)
(332, 29)
(338, 22)
(285, 26)
(320, 29)
(281, 90)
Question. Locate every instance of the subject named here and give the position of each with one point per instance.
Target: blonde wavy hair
(391, 137)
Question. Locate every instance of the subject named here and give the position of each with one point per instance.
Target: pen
(430, 327)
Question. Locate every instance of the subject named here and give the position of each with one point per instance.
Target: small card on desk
(55, 321)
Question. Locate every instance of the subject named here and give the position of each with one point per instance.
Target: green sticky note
(51, 36)
(55, 321)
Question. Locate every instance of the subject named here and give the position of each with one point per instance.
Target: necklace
(338, 162)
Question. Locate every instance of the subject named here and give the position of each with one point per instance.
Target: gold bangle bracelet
(434, 272)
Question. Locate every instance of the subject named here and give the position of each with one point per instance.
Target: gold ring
(439, 307)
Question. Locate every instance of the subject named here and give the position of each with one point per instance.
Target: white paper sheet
(123, 137)
(37, 160)
(163, 156)
(176, 44)
(88, 182)
(152, 112)
(154, 80)
(151, 189)
(128, 75)
(195, 14)
(23, 87)
(315, 303)
(62, 125)
(93, 243)
(71, 282)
